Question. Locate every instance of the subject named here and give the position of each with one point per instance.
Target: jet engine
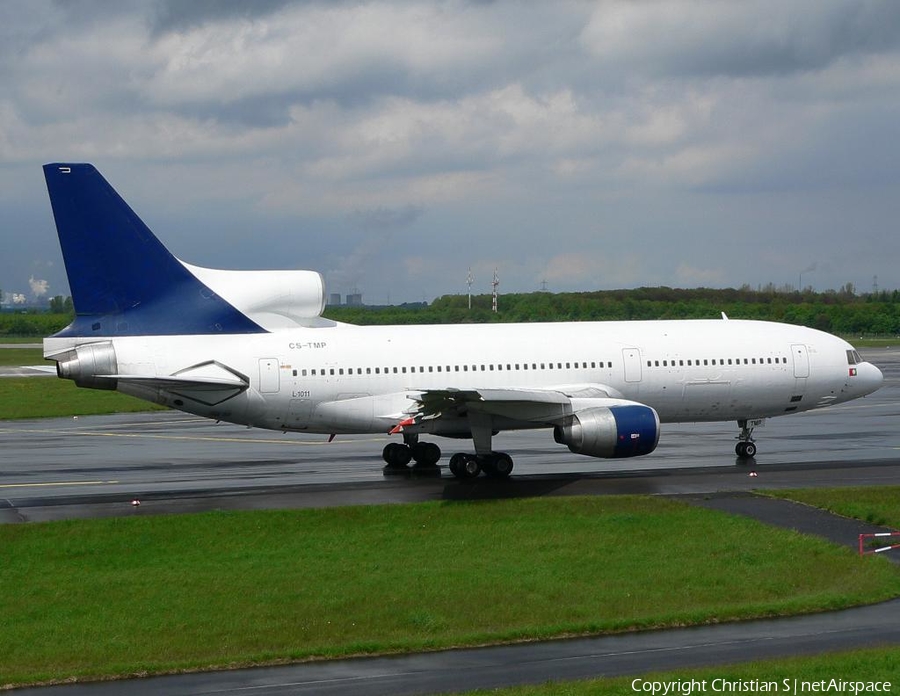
(87, 364)
(626, 430)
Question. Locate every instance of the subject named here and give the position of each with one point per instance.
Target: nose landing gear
(746, 448)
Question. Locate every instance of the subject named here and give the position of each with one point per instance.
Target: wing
(530, 407)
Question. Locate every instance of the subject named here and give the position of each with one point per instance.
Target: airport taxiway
(173, 462)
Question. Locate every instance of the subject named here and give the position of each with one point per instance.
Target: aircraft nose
(869, 377)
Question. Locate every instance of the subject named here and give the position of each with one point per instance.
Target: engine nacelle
(273, 299)
(626, 430)
(89, 365)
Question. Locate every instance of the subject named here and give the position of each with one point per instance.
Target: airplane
(252, 347)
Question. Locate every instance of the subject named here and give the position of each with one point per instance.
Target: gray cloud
(599, 145)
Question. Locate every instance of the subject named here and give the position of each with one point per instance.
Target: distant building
(334, 298)
(354, 299)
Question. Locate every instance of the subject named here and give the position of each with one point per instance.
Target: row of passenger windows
(714, 361)
(421, 369)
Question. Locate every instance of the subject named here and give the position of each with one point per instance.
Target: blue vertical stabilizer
(124, 282)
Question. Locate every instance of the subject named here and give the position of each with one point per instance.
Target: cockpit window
(853, 357)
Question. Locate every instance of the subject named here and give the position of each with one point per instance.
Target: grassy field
(876, 665)
(45, 397)
(20, 357)
(877, 505)
(127, 595)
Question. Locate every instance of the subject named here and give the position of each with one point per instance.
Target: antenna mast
(469, 280)
(494, 284)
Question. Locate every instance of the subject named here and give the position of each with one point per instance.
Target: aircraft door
(632, 360)
(269, 382)
(801, 360)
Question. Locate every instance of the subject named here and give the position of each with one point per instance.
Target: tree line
(842, 311)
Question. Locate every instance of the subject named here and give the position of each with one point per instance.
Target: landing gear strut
(746, 448)
(497, 465)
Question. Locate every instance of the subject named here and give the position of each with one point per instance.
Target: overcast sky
(393, 145)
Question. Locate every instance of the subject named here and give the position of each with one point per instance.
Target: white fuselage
(353, 379)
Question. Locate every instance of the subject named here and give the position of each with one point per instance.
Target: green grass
(46, 397)
(22, 357)
(157, 593)
(20, 339)
(873, 341)
(872, 665)
(877, 505)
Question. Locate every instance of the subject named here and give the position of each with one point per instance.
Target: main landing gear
(425, 455)
(746, 448)
(494, 465)
(463, 465)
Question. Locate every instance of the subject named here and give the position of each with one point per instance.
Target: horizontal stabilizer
(46, 369)
(173, 382)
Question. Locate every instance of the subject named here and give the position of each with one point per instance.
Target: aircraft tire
(396, 456)
(470, 467)
(456, 464)
(465, 466)
(501, 466)
(745, 450)
(426, 454)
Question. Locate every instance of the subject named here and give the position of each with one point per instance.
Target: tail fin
(124, 282)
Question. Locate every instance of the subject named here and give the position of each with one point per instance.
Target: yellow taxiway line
(55, 483)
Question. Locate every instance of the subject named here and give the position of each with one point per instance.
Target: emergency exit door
(268, 375)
